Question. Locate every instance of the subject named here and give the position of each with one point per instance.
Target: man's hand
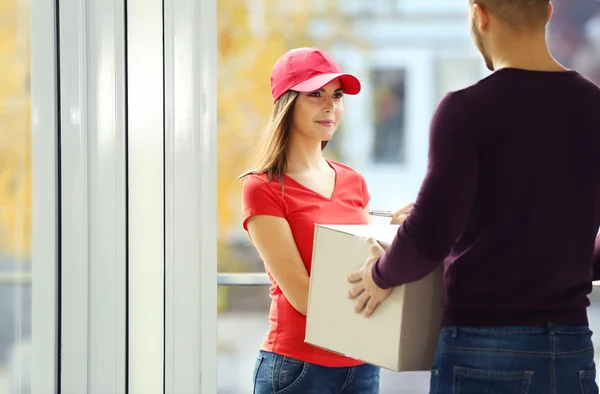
(401, 214)
(368, 293)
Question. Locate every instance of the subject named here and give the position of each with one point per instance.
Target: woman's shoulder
(254, 178)
(257, 181)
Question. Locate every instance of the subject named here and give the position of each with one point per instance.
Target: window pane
(241, 329)
(242, 325)
(389, 109)
(15, 198)
(574, 35)
(377, 136)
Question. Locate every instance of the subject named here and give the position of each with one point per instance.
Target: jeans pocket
(587, 381)
(259, 360)
(471, 380)
(287, 373)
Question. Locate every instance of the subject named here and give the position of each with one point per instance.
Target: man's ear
(550, 12)
(481, 16)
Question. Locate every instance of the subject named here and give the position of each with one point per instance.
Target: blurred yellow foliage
(15, 131)
(252, 35)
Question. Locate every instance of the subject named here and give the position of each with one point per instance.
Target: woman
(290, 187)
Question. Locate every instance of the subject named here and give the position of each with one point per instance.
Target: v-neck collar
(335, 183)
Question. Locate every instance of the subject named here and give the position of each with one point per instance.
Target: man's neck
(529, 53)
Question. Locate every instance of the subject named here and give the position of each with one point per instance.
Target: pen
(387, 214)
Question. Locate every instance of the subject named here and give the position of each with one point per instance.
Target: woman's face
(317, 114)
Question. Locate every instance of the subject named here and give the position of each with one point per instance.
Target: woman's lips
(326, 123)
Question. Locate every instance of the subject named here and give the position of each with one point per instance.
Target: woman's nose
(328, 105)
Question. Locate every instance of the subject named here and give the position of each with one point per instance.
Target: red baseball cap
(307, 70)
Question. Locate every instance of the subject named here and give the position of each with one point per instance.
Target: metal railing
(223, 279)
(261, 279)
(15, 278)
(243, 279)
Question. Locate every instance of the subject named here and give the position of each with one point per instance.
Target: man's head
(494, 21)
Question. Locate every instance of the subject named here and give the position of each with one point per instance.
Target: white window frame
(172, 196)
(191, 198)
(145, 162)
(135, 237)
(92, 196)
(44, 341)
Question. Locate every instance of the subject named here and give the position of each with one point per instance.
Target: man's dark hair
(518, 14)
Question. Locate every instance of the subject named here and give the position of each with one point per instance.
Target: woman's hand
(401, 214)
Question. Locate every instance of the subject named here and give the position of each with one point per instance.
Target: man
(511, 204)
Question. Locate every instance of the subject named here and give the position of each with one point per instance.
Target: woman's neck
(303, 155)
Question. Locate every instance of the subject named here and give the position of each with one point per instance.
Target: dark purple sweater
(510, 202)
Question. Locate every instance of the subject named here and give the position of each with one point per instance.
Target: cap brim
(350, 83)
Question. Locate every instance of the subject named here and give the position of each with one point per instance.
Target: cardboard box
(403, 332)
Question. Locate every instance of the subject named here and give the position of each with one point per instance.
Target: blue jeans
(276, 374)
(515, 360)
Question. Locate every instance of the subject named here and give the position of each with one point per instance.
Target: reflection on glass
(389, 116)
(15, 198)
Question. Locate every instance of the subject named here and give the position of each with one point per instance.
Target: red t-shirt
(303, 208)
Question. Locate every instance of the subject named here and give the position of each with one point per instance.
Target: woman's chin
(327, 135)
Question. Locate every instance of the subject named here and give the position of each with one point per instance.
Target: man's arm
(443, 204)
(596, 259)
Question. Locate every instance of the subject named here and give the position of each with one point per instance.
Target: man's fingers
(405, 209)
(374, 246)
(371, 306)
(402, 214)
(361, 302)
(355, 276)
(356, 290)
(399, 219)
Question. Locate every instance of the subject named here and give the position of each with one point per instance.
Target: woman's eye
(318, 94)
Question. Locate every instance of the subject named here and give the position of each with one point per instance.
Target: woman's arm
(366, 210)
(275, 243)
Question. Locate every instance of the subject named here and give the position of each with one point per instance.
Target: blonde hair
(270, 152)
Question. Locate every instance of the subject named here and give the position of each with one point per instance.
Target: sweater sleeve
(443, 204)
(596, 259)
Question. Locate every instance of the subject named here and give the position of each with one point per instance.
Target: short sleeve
(258, 198)
(365, 191)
